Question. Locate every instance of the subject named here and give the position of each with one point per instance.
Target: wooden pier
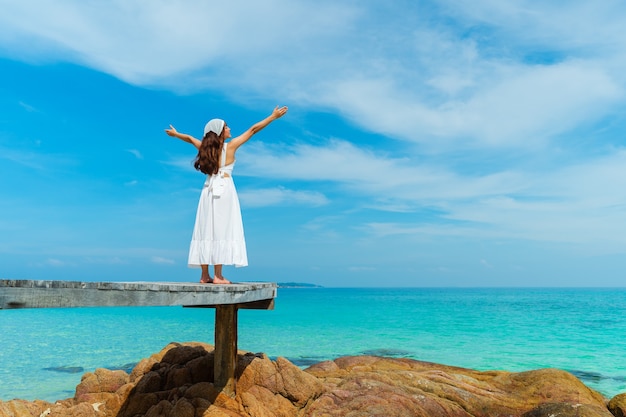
(226, 299)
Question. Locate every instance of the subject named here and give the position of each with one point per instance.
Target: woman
(218, 237)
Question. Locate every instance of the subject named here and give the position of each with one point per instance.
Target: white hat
(215, 125)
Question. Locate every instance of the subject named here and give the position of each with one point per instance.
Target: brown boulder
(23, 408)
(103, 381)
(280, 377)
(617, 405)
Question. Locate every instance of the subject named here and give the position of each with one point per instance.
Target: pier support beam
(225, 348)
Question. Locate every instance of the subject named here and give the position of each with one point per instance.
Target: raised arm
(255, 128)
(183, 136)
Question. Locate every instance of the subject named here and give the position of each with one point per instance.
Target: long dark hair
(208, 159)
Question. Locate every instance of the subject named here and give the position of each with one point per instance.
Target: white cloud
(135, 152)
(581, 26)
(38, 161)
(181, 162)
(461, 84)
(531, 105)
(508, 104)
(582, 202)
(28, 107)
(55, 262)
(281, 197)
(104, 260)
(371, 174)
(361, 268)
(388, 68)
(162, 261)
(141, 42)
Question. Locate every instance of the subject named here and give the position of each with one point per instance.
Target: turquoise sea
(44, 352)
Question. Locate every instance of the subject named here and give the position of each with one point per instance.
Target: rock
(178, 382)
(280, 377)
(181, 376)
(566, 410)
(267, 388)
(102, 381)
(364, 385)
(22, 408)
(617, 405)
(78, 410)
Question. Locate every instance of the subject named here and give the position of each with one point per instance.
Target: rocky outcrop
(178, 382)
(366, 386)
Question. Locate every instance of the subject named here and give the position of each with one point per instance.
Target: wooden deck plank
(48, 294)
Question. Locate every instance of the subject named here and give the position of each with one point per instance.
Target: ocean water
(44, 352)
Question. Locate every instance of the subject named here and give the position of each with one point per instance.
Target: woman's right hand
(171, 132)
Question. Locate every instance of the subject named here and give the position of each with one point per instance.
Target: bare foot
(221, 280)
(206, 279)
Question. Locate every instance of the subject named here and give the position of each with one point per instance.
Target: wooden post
(225, 348)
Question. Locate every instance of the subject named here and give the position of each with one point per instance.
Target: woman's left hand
(279, 111)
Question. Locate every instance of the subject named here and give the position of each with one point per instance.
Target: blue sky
(428, 143)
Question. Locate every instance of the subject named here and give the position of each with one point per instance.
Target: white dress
(218, 237)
